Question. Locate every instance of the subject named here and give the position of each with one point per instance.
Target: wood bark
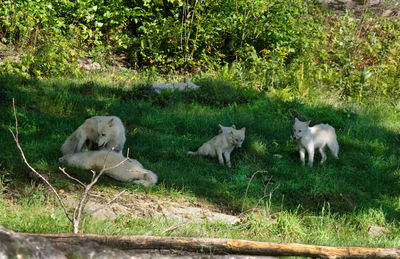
(223, 246)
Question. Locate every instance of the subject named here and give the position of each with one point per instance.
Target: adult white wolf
(104, 132)
(129, 170)
(318, 136)
(222, 145)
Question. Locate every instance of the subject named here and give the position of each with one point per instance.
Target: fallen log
(222, 246)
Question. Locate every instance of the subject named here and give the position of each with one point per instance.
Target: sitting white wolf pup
(129, 170)
(317, 136)
(225, 129)
(222, 145)
(104, 132)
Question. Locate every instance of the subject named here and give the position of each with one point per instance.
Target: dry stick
(78, 210)
(175, 226)
(255, 207)
(77, 215)
(103, 207)
(248, 185)
(70, 177)
(15, 136)
(262, 197)
(190, 24)
(358, 30)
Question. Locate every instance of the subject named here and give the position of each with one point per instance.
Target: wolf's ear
(220, 126)
(308, 122)
(233, 126)
(110, 122)
(296, 120)
(243, 129)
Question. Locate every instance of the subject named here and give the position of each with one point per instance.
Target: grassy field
(333, 204)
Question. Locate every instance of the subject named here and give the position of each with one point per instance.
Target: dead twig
(175, 226)
(77, 216)
(103, 207)
(16, 139)
(248, 185)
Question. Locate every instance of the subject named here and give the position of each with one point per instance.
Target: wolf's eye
(299, 130)
(103, 135)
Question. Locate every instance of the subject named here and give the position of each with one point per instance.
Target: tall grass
(333, 204)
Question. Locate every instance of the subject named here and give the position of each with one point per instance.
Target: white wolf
(106, 132)
(317, 136)
(129, 170)
(222, 145)
(225, 129)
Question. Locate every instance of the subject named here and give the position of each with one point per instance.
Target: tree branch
(16, 139)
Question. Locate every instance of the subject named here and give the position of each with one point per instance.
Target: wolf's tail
(192, 153)
(150, 178)
(334, 147)
(69, 145)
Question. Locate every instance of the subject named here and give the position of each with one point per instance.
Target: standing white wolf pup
(129, 170)
(317, 136)
(222, 145)
(106, 132)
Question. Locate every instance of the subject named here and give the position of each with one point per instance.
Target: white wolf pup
(222, 145)
(129, 170)
(225, 129)
(317, 136)
(105, 132)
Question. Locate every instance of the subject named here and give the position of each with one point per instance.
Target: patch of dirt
(149, 205)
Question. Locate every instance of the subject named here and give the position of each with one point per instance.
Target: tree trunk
(224, 246)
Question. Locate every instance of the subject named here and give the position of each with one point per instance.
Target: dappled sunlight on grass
(364, 182)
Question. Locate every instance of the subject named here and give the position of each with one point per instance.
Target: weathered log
(223, 246)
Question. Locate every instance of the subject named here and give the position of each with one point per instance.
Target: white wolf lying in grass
(222, 145)
(317, 136)
(129, 170)
(104, 132)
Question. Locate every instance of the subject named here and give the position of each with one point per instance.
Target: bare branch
(94, 179)
(93, 175)
(248, 185)
(175, 226)
(70, 177)
(103, 207)
(78, 211)
(259, 200)
(15, 136)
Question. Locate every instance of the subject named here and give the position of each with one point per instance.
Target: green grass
(333, 204)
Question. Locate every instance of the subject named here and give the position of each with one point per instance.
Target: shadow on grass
(162, 128)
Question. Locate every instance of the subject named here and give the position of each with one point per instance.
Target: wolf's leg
(323, 155)
(220, 158)
(227, 156)
(80, 145)
(310, 151)
(302, 153)
(92, 145)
